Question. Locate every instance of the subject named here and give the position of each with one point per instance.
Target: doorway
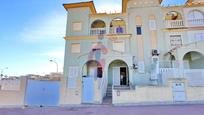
(118, 73)
(123, 76)
(120, 77)
(92, 71)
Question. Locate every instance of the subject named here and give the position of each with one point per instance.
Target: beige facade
(145, 54)
(140, 51)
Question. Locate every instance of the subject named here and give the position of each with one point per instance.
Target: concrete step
(121, 88)
(109, 93)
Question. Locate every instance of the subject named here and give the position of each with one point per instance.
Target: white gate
(88, 90)
(179, 92)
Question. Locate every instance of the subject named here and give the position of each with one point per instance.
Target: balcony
(174, 24)
(118, 30)
(97, 31)
(196, 22)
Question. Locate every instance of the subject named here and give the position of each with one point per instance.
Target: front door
(116, 76)
(120, 76)
(123, 76)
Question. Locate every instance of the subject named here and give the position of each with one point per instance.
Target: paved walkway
(109, 110)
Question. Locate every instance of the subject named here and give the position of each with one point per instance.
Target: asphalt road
(109, 110)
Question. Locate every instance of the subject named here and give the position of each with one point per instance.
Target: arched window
(195, 18)
(195, 14)
(98, 24)
(117, 26)
(98, 27)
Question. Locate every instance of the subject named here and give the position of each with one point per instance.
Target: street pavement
(109, 110)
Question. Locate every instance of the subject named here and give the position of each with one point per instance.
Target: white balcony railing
(97, 31)
(195, 77)
(196, 22)
(174, 23)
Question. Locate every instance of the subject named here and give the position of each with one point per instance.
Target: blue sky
(32, 31)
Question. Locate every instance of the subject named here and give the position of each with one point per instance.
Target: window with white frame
(195, 18)
(175, 40)
(119, 46)
(72, 76)
(139, 30)
(194, 15)
(77, 26)
(75, 48)
(198, 37)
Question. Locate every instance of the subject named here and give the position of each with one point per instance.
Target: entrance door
(116, 76)
(88, 89)
(123, 76)
(42, 93)
(179, 92)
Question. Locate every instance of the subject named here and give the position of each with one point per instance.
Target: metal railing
(195, 77)
(174, 23)
(196, 22)
(97, 31)
(118, 30)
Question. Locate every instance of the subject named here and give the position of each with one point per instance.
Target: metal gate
(179, 92)
(42, 93)
(88, 90)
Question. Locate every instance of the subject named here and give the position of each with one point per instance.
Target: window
(193, 15)
(77, 26)
(75, 48)
(100, 72)
(139, 30)
(119, 30)
(198, 37)
(175, 40)
(119, 46)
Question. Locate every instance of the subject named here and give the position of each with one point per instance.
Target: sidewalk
(109, 110)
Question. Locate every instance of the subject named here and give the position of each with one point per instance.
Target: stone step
(121, 88)
(108, 94)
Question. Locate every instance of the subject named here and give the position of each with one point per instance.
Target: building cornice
(194, 4)
(89, 4)
(107, 15)
(80, 37)
(109, 36)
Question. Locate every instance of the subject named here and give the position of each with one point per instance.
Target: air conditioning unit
(155, 52)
